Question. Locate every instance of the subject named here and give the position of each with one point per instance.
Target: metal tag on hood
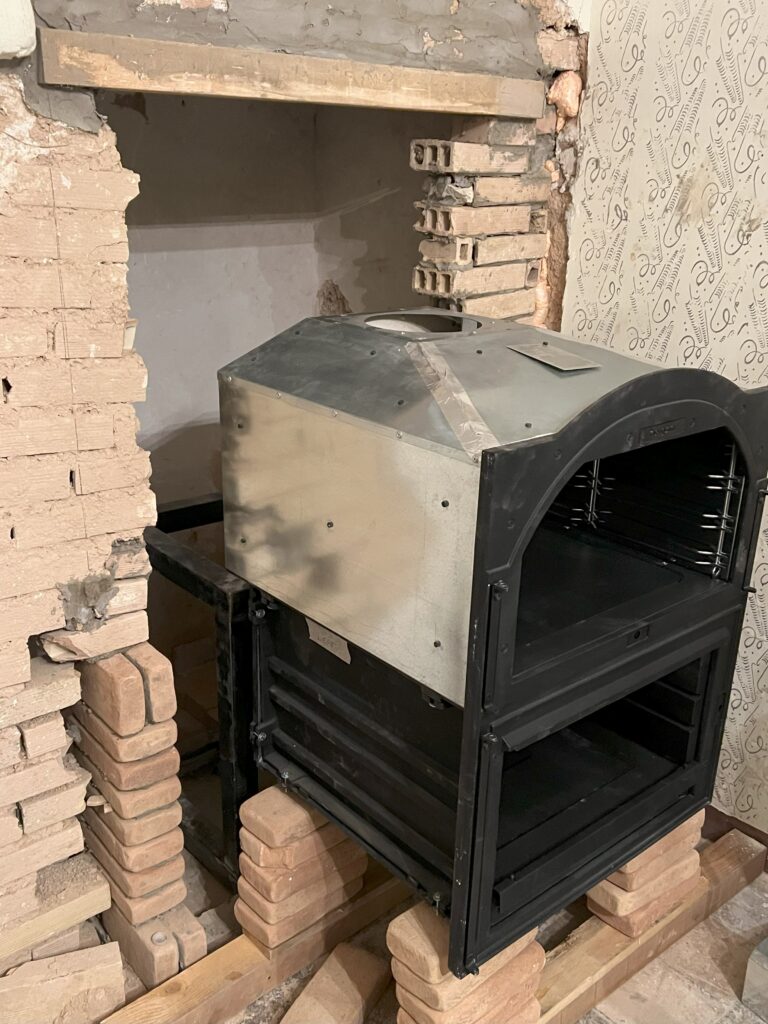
(553, 355)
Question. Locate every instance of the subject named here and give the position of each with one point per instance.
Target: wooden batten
(102, 61)
(596, 958)
(223, 983)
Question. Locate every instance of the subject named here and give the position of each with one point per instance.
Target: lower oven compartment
(570, 806)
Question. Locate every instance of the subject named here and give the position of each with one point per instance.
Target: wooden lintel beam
(99, 61)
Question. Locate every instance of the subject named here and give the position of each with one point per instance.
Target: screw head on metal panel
(261, 736)
(259, 613)
(399, 433)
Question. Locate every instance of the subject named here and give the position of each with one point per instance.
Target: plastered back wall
(364, 234)
(245, 210)
(222, 256)
(669, 247)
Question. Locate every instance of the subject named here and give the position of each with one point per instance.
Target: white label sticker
(330, 641)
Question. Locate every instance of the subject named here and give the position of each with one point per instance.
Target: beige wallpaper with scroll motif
(669, 247)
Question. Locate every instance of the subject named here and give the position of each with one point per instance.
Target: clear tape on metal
(473, 433)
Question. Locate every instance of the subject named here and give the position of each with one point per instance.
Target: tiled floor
(700, 978)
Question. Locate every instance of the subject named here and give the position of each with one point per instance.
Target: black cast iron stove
(502, 576)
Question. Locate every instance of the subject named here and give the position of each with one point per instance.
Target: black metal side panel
(506, 712)
(365, 744)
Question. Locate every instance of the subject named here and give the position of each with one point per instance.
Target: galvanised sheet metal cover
(351, 464)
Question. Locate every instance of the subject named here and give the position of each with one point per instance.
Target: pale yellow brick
(80, 334)
(109, 380)
(29, 284)
(100, 286)
(31, 777)
(130, 596)
(92, 235)
(504, 248)
(51, 688)
(43, 568)
(473, 220)
(126, 424)
(559, 49)
(22, 335)
(39, 850)
(474, 281)
(43, 734)
(55, 805)
(95, 428)
(52, 284)
(11, 752)
(503, 191)
(80, 189)
(32, 185)
(447, 251)
(444, 157)
(128, 509)
(14, 663)
(36, 431)
(113, 635)
(10, 826)
(500, 307)
(110, 470)
(47, 524)
(36, 382)
(34, 478)
(29, 232)
(494, 131)
(31, 614)
(93, 150)
(123, 557)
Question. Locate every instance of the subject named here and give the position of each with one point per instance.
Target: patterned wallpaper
(669, 247)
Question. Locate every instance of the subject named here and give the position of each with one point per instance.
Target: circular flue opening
(424, 323)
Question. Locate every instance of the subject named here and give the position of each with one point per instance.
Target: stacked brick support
(643, 891)
(502, 992)
(295, 868)
(484, 217)
(74, 500)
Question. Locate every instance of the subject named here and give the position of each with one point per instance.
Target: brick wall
(74, 500)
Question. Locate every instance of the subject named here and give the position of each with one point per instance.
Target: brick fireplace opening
(228, 220)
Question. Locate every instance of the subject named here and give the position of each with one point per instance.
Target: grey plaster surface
(462, 35)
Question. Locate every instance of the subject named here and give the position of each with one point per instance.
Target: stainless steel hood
(351, 462)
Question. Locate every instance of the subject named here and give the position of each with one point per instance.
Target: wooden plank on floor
(70, 891)
(227, 980)
(595, 959)
(96, 60)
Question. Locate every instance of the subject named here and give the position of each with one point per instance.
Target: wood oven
(499, 578)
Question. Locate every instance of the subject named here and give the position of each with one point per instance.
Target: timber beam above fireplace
(121, 62)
